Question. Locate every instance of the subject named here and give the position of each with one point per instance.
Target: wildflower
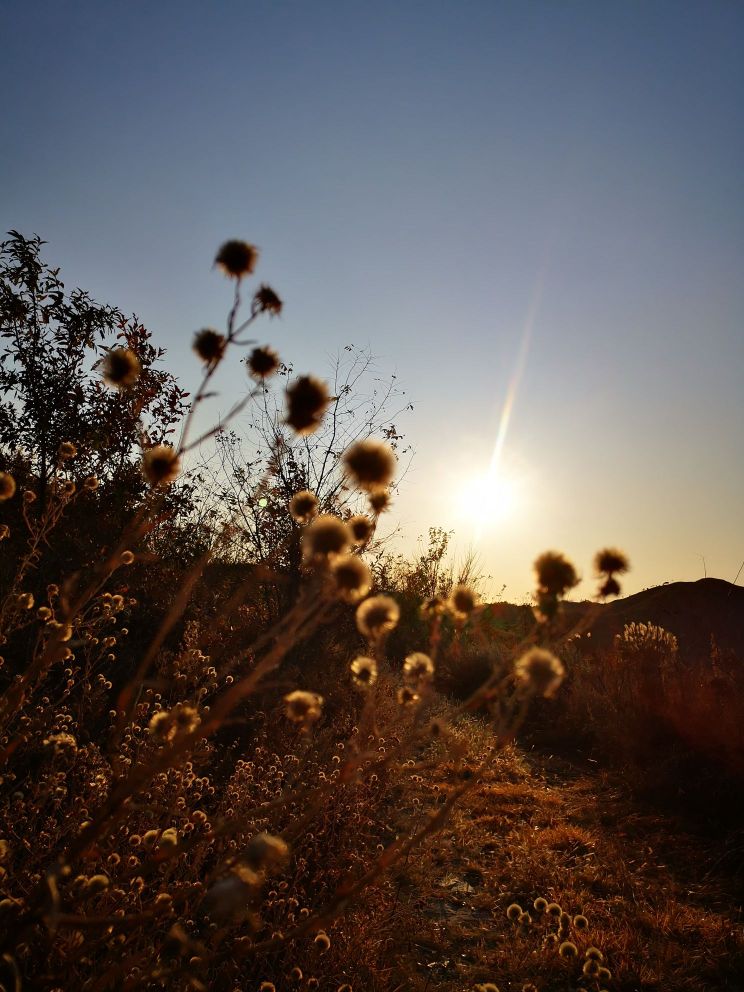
(568, 949)
(160, 464)
(307, 401)
(361, 528)
(554, 910)
(266, 851)
(513, 912)
(303, 506)
(555, 574)
(407, 697)
(377, 616)
(325, 536)
(322, 941)
(580, 922)
(265, 300)
(417, 668)
(303, 707)
(352, 578)
(237, 258)
(7, 486)
(126, 558)
(594, 954)
(90, 483)
(540, 671)
(263, 362)
(121, 368)
(370, 464)
(67, 450)
(209, 345)
(540, 904)
(379, 500)
(462, 601)
(364, 671)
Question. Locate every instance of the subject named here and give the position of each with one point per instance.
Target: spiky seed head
(553, 909)
(121, 368)
(237, 258)
(265, 300)
(525, 920)
(568, 949)
(322, 941)
(67, 450)
(580, 922)
(604, 974)
(263, 362)
(352, 578)
(462, 601)
(377, 616)
(160, 465)
(540, 904)
(609, 561)
(210, 346)
(406, 696)
(303, 506)
(418, 668)
(325, 537)
(364, 671)
(555, 573)
(361, 528)
(7, 486)
(370, 464)
(539, 671)
(303, 707)
(513, 912)
(590, 967)
(379, 500)
(307, 401)
(594, 954)
(610, 587)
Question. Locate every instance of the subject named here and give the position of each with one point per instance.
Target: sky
(525, 206)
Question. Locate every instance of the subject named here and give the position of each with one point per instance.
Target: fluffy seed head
(379, 500)
(377, 616)
(209, 345)
(160, 465)
(322, 941)
(90, 483)
(540, 904)
(610, 587)
(594, 954)
(361, 528)
(121, 368)
(611, 560)
(555, 573)
(67, 450)
(307, 401)
(554, 910)
(266, 851)
(580, 922)
(406, 696)
(352, 578)
(303, 707)
(568, 949)
(590, 968)
(513, 912)
(303, 506)
(370, 464)
(324, 537)
(540, 671)
(265, 300)
(237, 258)
(126, 558)
(418, 668)
(263, 362)
(7, 486)
(364, 671)
(462, 601)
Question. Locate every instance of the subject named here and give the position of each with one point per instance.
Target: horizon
(533, 217)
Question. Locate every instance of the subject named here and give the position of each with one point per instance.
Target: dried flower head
(568, 949)
(29, 496)
(7, 486)
(540, 671)
(237, 258)
(364, 671)
(121, 368)
(126, 558)
(377, 616)
(555, 573)
(324, 537)
(361, 528)
(418, 668)
(322, 941)
(580, 922)
(67, 450)
(406, 696)
(462, 601)
(594, 954)
(90, 483)
(379, 500)
(307, 401)
(610, 561)
(303, 707)
(160, 465)
(370, 463)
(604, 974)
(303, 506)
(540, 904)
(263, 362)
(210, 346)
(266, 852)
(554, 910)
(513, 912)
(590, 968)
(610, 587)
(352, 578)
(265, 300)
(432, 607)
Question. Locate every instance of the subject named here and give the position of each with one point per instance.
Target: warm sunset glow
(486, 501)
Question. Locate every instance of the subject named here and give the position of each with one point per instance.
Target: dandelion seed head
(90, 483)
(237, 258)
(590, 967)
(126, 557)
(580, 922)
(121, 368)
(553, 909)
(594, 954)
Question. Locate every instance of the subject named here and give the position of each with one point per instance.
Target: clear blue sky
(418, 175)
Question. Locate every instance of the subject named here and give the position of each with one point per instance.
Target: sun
(486, 501)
